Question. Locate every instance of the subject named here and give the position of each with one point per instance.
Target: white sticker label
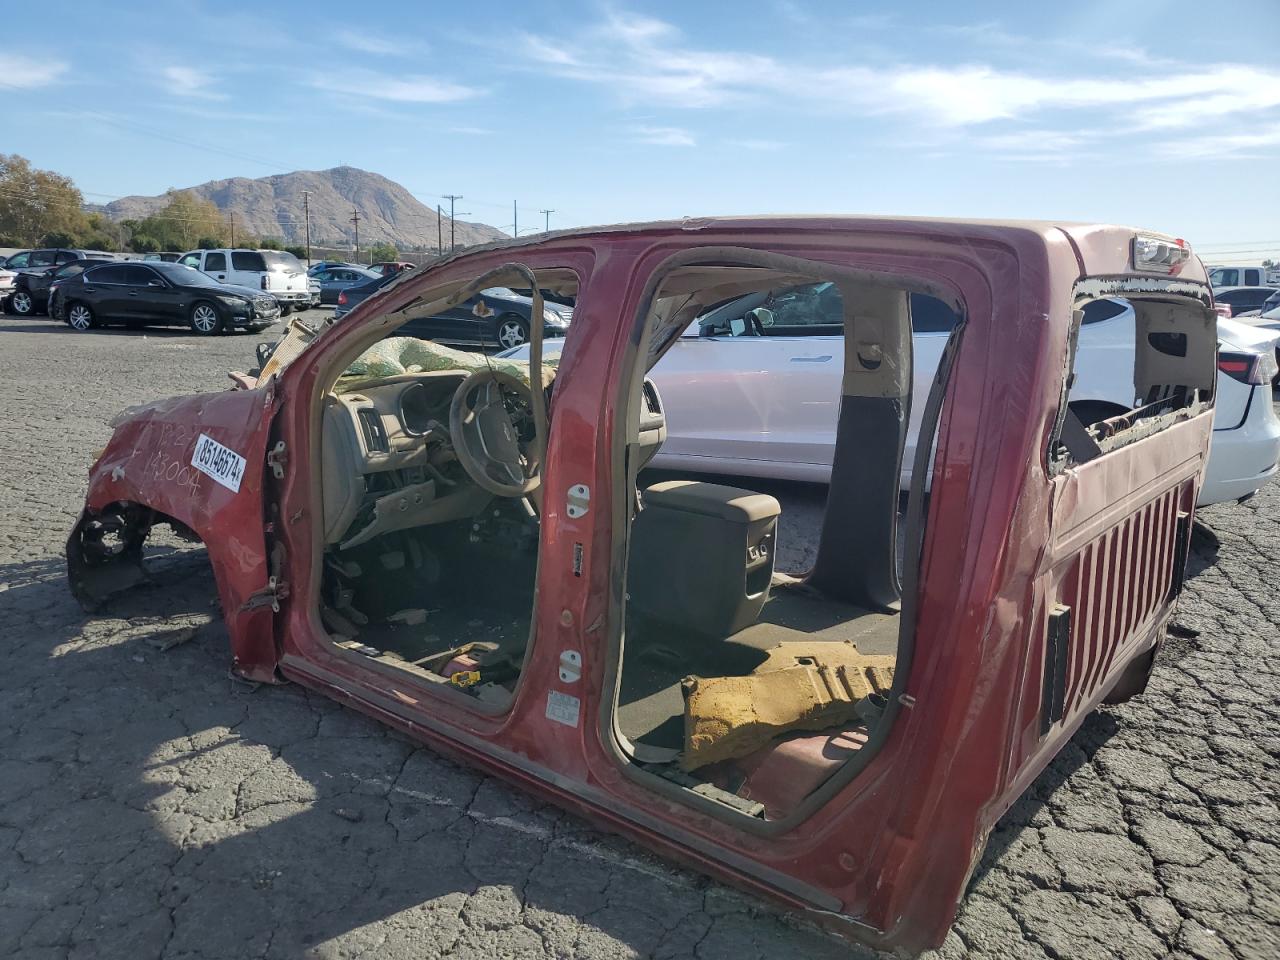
(563, 708)
(222, 463)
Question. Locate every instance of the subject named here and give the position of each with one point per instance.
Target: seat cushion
(712, 500)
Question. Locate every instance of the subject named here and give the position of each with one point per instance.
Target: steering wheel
(485, 439)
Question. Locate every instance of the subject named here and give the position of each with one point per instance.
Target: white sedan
(745, 404)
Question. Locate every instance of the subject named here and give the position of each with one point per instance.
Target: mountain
(274, 207)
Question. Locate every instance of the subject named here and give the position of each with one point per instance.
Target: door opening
(739, 683)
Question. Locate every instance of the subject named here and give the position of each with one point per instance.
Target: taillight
(264, 282)
(1152, 254)
(1254, 368)
(1223, 310)
(342, 298)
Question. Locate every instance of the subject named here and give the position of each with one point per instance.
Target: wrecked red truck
(460, 546)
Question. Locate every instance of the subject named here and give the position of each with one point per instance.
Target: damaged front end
(104, 551)
(196, 464)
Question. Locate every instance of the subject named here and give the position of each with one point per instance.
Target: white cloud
(190, 82)
(397, 88)
(27, 73)
(663, 136)
(368, 43)
(646, 61)
(1255, 144)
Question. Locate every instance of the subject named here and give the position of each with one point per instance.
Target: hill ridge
(274, 206)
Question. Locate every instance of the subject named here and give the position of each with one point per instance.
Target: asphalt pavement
(152, 806)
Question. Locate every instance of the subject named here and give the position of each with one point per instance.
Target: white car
(277, 272)
(743, 404)
(7, 278)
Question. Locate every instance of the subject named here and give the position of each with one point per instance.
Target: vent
(1056, 643)
(375, 434)
(651, 398)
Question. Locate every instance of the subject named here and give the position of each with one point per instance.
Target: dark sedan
(152, 294)
(31, 290)
(333, 280)
(352, 297)
(1243, 299)
(494, 316)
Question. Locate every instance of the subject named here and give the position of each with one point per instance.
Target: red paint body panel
(886, 859)
(149, 462)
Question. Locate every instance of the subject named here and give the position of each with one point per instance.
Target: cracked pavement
(151, 806)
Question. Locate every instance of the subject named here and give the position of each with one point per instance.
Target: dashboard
(392, 424)
(388, 460)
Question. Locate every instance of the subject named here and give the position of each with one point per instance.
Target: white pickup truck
(279, 273)
(1250, 275)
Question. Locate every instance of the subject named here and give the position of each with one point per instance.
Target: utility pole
(355, 218)
(451, 197)
(439, 231)
(515, 219)
(233, 229)
(546, 227)
(306, 213)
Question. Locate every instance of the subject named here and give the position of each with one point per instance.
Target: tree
(141, 243)
(298, 251)
(270, 243)
(35, 203)
(186, 221)
(383, 251)
(99, 233)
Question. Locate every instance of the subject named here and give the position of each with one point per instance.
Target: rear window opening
(743, 687)
(1138, 366)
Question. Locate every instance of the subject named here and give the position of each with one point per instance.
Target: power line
(546, 225)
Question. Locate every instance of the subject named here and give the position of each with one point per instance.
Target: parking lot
(150, 805)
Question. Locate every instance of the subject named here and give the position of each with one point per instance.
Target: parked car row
(26, 289)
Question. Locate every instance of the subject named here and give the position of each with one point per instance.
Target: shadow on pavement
(155, 805)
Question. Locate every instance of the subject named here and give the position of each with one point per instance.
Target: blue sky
(1162, 115)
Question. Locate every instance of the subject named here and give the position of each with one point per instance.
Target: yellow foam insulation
(799, 686)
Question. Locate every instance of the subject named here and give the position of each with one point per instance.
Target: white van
(279, 273)
(1247, 275)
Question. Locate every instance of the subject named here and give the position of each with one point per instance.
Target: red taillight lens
(1252, 368)
(342, 298)
(1223, 310)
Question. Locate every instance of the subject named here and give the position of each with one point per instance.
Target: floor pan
(659, 656)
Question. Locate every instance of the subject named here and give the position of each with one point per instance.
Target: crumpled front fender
(147, 474)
